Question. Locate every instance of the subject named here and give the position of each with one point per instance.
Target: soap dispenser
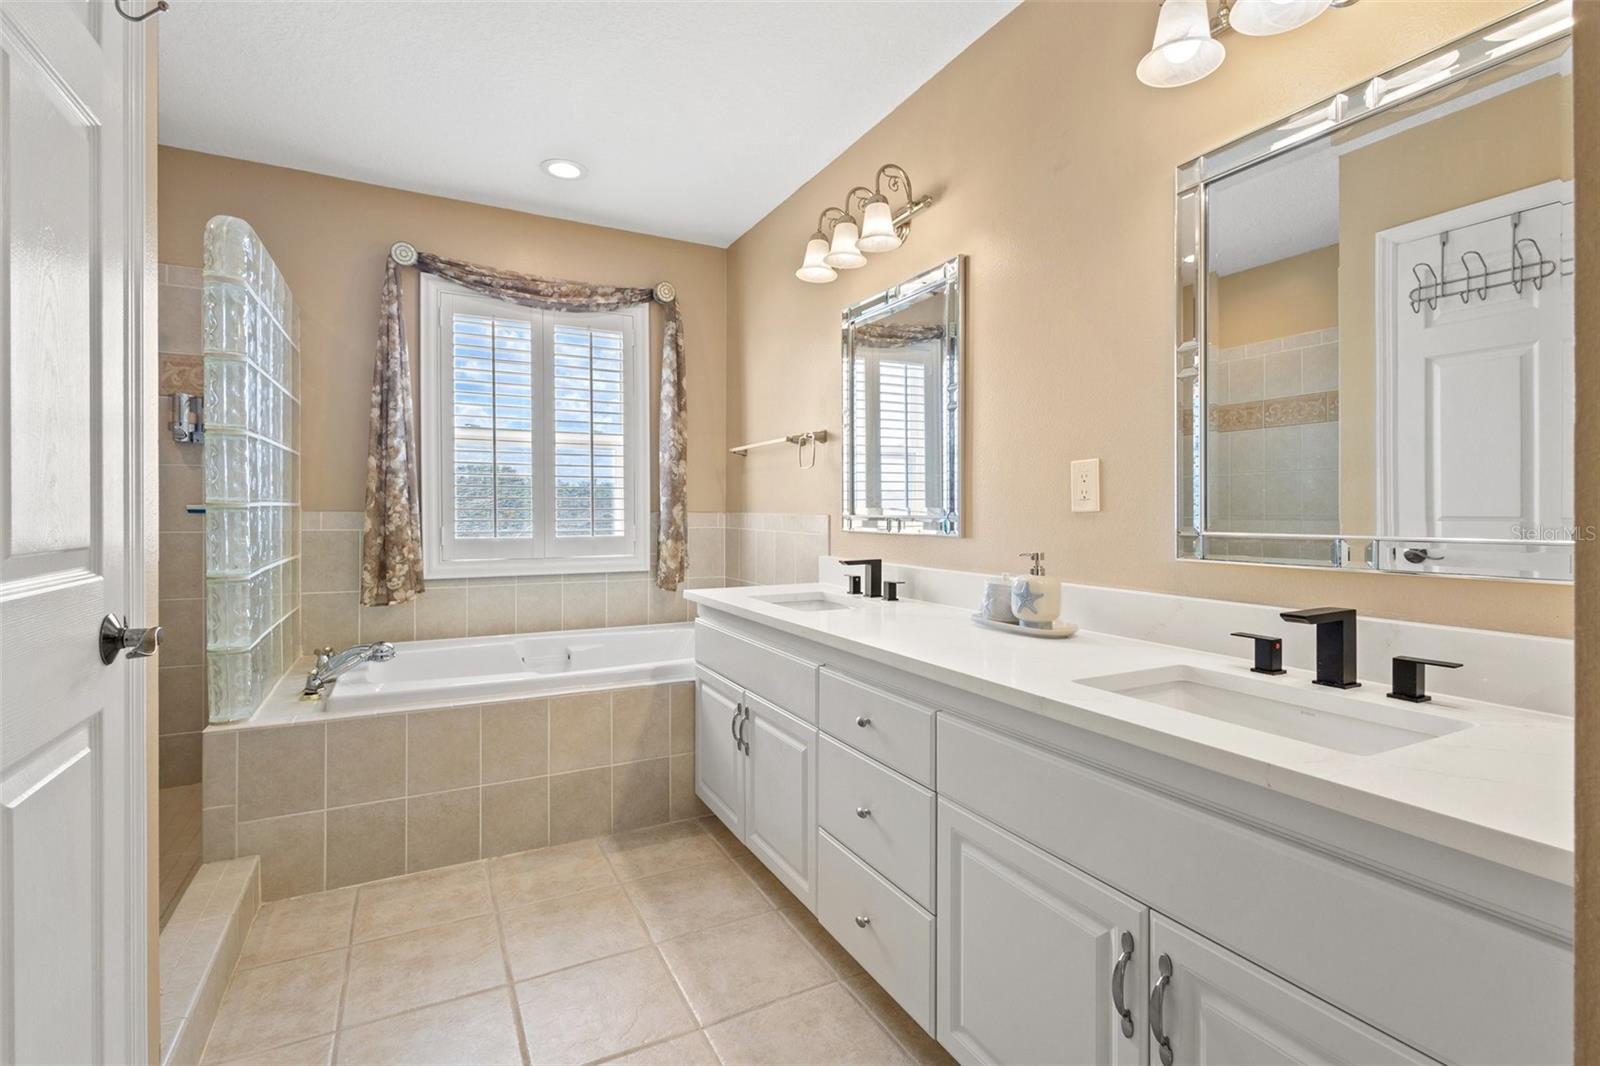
(1035, 599)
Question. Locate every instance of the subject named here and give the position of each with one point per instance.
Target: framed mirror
(902, 406)
(1375, 330)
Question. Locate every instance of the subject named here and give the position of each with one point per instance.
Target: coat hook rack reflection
(1528, 267)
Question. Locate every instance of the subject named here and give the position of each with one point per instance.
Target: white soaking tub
(432, 673)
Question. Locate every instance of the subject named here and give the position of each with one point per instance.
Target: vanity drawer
(895, 837)
(775, 676)
(887, 933)
(896, 732)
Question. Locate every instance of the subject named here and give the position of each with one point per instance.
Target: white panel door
(782, 795)
(1481, 419)
(1215, 1007)
(72, 801)
(1028, 954)
(719, 762)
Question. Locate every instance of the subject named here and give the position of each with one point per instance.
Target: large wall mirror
(1375, 328)
(902, 406)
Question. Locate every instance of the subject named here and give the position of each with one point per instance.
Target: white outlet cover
(1086, 484)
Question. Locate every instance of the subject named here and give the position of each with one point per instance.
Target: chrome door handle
(1119, 974)
(1158, 998)
(118, 637)
(863, 721)
(863, 812)
(862, 921)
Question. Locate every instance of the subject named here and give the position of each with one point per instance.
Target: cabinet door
(719, 762)
(1217, 1007)
(1028, 953)
(781, 786)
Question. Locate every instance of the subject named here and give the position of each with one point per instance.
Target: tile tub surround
(670, 944)
(359, 798)
(774, 549)
(199, 948)
(181, 666)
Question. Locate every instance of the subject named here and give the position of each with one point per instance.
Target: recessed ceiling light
(565, 169)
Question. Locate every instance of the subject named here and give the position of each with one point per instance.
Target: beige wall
(1280, 299)
(1053, 171)
(1586, 69)
(1509, 142)
(330, 238)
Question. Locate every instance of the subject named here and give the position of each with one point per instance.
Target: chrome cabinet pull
(863, 812)
(1158, 998)
(743, 721)
(863, 721)
(862, 921)
(1119, 974)
(733, 725)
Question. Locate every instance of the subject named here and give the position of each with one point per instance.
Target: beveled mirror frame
(948, 277)
(1476, 53)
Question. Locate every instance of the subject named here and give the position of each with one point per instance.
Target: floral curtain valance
(392, 548)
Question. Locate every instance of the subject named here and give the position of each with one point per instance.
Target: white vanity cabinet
(756, 760)
(1208, 1005)
(1037, 961)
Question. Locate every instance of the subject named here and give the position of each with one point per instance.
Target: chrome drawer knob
(862, 812)
(863, 721)
(862, 921)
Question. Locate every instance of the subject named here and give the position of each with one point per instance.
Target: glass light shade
(1183, 50)
(814, 269)
(877, 228)
(845, 253)
(1262, 18)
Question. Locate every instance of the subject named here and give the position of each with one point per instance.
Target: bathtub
(433, 673)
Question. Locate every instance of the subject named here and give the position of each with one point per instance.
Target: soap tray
(1057, 630)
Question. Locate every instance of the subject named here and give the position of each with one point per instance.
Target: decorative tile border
(1305, 409)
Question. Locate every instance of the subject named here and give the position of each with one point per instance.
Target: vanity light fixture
(565, 169)
(867, 223)
(1186, 48)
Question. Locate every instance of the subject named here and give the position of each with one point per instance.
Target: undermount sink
(1285, 708)
(808, 601)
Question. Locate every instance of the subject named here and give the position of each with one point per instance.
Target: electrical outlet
(1086, 484)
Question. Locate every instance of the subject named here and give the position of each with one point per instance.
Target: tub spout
(330, 666)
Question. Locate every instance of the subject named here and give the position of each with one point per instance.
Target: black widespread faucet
(1336, 643)
(874, 574)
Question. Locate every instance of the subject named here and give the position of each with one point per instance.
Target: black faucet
(1336, 643)
(874, 574)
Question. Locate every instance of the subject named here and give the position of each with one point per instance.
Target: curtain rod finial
(403, 253)
(666, 292)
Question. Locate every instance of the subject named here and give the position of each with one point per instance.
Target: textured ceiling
(694, 119)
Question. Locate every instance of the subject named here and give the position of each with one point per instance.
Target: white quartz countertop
(1501, 789)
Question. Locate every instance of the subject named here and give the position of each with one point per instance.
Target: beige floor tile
(691, 1049)
(567, 930)
(278, 1004)
(914, 1040)
(549, 872)
(732, 968)
(428, 966)
(682, 901)
(479, 1030)
(304, 925)
(601, 1008)
(659, 848)
(823, 1025)
(315, 1052)
(417, 901)
(840, 961)
(776, 891)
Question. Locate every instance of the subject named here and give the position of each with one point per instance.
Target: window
(897, 473)
(534, 428)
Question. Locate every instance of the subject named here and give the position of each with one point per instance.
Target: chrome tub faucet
(330, 666)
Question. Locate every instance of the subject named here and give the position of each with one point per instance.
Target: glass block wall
(252, 475)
